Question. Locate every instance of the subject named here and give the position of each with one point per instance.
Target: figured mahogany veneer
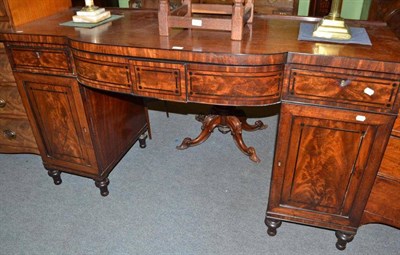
(55, 59)
(103, 72)
(234, 85)
(338, 105)
(311, 181)
(341, 87)
(163, 80)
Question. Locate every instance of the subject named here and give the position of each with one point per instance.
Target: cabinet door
(56, 112)
(325, 164)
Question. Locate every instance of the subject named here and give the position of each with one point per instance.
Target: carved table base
(226, 119)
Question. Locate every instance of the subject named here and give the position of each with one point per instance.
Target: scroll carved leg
(236, 130)
(103, 186)
(226, 119)
(258, 125)
(210, 122)
(55, 174)
(272, 225)
(342, 239)
(142, 140)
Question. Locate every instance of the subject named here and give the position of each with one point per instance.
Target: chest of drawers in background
(383, 203)
(16, 134)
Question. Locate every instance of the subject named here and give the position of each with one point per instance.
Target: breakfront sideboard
(83, 92)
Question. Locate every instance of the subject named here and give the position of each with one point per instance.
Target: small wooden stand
(240, 13)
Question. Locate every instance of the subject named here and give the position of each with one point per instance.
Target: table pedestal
(226, 119)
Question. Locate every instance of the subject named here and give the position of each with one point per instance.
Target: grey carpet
(209, 199)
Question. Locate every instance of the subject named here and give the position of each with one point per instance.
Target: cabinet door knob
(10, 134)
(2, 103)
(344, 83)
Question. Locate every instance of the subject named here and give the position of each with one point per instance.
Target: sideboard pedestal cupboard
(83, 92)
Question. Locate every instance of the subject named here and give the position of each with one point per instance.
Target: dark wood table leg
(226, 119)
(210, 122)
(236, 130)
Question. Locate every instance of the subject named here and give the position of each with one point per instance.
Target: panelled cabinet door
(325, 164)
(55, 107)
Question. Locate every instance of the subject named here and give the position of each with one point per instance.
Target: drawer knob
(344, 83)
(2, 103)
(10, 134)
(369, 91)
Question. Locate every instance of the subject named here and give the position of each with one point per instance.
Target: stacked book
(94, 16)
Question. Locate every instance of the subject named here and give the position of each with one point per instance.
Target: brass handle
(10, 134)
(344, 83)
(2, 103)
(37, 54)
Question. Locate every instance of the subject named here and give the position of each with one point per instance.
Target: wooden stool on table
(241, 13)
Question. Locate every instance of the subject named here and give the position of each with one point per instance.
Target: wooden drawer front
(161, 80)
(10, 101)
(40, 60)
(16, 133)
(234, 85)
(390, 166)
(341, 88)
(104, 72)
(384, 200)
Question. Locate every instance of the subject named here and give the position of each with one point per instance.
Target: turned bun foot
(142, 141)
(103, 186)
(343, 239)
(55, 174)
(272, 226)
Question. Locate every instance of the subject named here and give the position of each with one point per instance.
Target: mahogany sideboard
(83, 91)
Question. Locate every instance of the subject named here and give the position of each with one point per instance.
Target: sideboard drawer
(10, 101)
(339, 87)
(163, 80)
(16, 133)
(44, 60)
(103, 71)
(234, 85)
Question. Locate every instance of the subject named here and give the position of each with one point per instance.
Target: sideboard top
(268, 35)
